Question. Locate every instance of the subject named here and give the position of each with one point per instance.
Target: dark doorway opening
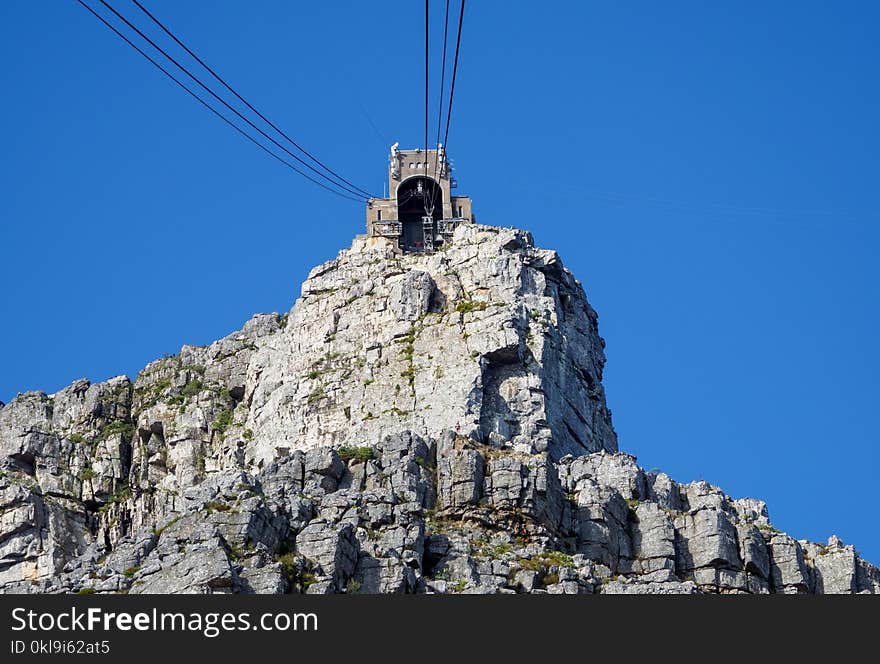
(412, 195)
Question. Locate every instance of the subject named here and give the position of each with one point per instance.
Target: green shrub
(223, 420)
(192, 388)
(358, 454)
(288, 564)
(549, 579)
(118, 426)
(308, 579)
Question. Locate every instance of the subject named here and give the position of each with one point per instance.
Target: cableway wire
(212, 109)
(223, 101)
(440, 110)
(425, 198)
(248, 104)
(454, 72)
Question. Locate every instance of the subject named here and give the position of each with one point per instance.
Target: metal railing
(389, 228)
(394, 229)
(448, 226)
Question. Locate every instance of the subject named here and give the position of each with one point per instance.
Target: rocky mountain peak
(491, 338)
(416, 423)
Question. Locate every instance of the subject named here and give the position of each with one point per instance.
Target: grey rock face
(416, 424)
(491, 339)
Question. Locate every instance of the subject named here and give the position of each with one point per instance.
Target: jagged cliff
(414, 424)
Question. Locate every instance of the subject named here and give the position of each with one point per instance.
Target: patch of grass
(158, 531)
(558, 558)
(288, 564)
(767, 527)
(248, 434)
(282, 320)
(216, 506)
(130, 572)
(482, 549)
(546, 559)
(116, 427)
(357, 454)
(308, 579)
(317, 394)
(549, 579)
(353, 587)
(87, 474)
(85, 591)
(76, 438)
(468, 306)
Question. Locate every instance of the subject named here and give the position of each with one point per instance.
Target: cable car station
(420, 213)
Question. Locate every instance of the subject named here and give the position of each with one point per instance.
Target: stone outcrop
(415, 424)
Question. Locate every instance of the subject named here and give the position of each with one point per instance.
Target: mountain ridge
(415, 423)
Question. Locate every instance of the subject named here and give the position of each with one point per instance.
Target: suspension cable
(442, 82)
(425, 199)
(212, 109)
(245, 101)
(454, 72)
(223, 101)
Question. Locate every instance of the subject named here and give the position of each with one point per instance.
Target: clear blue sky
(708, 170)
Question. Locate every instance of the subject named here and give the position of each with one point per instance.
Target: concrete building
(420, 212)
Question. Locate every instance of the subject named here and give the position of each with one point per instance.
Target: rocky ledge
(414, 424)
